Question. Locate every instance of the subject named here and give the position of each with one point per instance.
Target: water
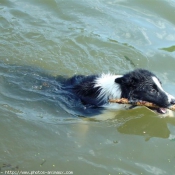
(58, 37)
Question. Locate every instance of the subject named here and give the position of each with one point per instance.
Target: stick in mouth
(142, 103)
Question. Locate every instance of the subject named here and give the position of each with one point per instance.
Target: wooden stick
(139, 103)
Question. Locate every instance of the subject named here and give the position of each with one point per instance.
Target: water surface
(58, 37)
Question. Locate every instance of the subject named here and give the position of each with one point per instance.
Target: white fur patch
(170, 97)
(109, 89)
(156, 81)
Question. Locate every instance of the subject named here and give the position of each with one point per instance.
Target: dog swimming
(88, 96)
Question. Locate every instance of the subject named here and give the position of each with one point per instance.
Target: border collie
(94, 91)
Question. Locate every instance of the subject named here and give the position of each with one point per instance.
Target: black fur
(139, 85)
(82, 95)
(135, 85)
(83, 87)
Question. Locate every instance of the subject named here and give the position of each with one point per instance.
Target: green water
(64, 37)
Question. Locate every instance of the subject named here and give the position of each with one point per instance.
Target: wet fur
(94, 91)
(83, 95)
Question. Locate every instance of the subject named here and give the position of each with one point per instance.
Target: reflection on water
(148, 125)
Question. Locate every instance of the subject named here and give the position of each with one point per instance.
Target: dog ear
(129, 81)
(119, 80)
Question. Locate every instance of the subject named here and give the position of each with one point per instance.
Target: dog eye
(153, 90)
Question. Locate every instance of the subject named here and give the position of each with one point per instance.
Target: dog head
(143, 85)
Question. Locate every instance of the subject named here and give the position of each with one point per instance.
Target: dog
(88, 96)
(92, 93)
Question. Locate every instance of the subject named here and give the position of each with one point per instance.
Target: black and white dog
(94, 91)
(88, 96)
